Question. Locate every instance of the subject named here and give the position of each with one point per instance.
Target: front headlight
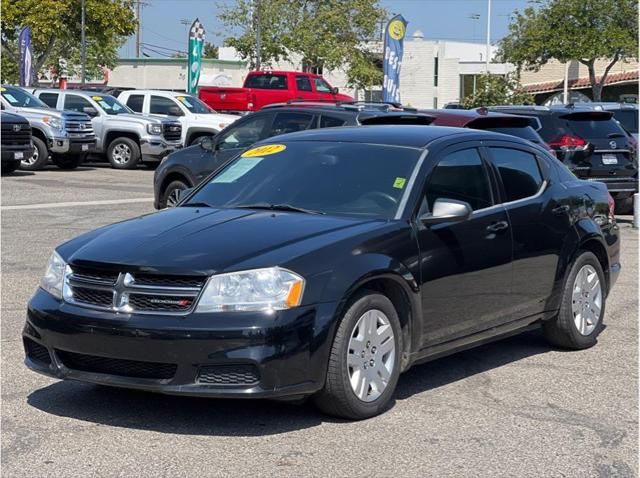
(55, 123)
(255, 290)
(154, 129)
(53, 279)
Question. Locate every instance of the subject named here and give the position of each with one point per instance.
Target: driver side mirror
(175, 111)
(208, 143)
(335, 90)
(447, 211)
(90, 110)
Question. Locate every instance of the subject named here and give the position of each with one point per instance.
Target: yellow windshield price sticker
(264, 150)
(399, 183)
(3, 89)
(180, 98)
(97, 98)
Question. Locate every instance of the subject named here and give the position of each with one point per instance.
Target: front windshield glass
(110, 105)
(194, 105)
(323, 177)
(19, 98)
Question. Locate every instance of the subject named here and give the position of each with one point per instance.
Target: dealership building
(434, 73)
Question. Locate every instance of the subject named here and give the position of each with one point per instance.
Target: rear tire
(352, 348)
(579, 322)
(170, 195)
(67, 162)
(123, 153)
(38, 159)
(624, 206)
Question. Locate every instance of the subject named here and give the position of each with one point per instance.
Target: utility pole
(83, 45)
(258, 39)
(488, 53)
(138, 27)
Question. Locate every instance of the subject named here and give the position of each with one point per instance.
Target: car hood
(188, 240)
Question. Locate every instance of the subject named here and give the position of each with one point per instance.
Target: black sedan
(325, 263)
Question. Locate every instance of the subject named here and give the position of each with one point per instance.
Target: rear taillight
(569, 143)
(612, 209)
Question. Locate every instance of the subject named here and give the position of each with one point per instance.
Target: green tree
(565, 30)
(493, 90)
(325, 33)
(210, 50)
(55, 28)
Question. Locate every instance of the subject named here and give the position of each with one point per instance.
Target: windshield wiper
(276, 207)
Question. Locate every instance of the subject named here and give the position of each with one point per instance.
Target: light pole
(83, 46)
(488, 52)
(258, 39)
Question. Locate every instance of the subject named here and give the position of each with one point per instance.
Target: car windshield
(321, 177)
(194, 105)
(110, 105)
(21, 99)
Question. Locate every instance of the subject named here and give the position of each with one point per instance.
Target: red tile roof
(583, 82)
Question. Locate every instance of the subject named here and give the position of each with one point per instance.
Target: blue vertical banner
(26, 57)
(196, 47)
(393, 50)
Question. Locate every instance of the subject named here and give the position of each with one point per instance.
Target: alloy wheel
(121, 153)
(586, 300)
(174, 197)
(371, 355)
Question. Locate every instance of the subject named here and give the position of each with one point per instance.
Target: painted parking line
(50, 205)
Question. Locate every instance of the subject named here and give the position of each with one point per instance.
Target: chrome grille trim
(122, 293)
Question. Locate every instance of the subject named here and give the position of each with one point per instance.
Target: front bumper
(253, 354)
(156, 148)
(65, 145)
(15, 153)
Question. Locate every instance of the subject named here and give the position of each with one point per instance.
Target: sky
(163, 30)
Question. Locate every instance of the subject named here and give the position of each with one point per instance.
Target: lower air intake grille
(36, 352)
(112, 366)
(228, 375)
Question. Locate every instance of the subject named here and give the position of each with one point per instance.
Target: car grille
(132, 292)
(36, 352)
(228, 374)
(21, 137)
(172, 131)
(79, 128)
(113, 366)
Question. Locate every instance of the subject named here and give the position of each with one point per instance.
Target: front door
(466, 266)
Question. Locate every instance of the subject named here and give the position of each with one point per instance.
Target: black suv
(185, 168)
(16, 141)
(592, 145)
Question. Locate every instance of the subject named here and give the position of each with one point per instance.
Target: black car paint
(15, 141)
(430, 273)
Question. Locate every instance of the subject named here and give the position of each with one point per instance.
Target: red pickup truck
(263, 88)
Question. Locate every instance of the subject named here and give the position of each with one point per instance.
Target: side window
(244, 135)
(266, 81)
(135, 102)
(160, 105)
(76, 103)
(50, 99)
(322, 86)
(461, 176)
(291, 122)
(519, 171)
(330, 122)
(303, 83)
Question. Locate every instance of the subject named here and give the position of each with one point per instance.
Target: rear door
(609, 147)
(304, 90)
(49, 98)
(538, 211)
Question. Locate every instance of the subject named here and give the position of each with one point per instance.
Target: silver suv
(124, 137)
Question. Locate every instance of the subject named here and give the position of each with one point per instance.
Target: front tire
(580, 319)
(364, 364)
(123, 153)
(38, 159)
(171, 194)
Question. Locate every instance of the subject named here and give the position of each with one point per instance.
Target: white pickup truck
(197, 119)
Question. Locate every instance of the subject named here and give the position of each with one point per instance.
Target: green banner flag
(196, 47)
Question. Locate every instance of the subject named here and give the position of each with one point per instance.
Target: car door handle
(560, 209)
(498, 226)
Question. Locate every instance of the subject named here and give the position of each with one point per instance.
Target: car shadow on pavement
(18, 173)
(203, 416)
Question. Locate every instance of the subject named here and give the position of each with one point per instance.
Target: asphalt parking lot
(512, 408)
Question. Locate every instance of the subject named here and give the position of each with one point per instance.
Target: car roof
(157, 92)
(75, 92)
(413, 136)
(460, 117)
(606, 106)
